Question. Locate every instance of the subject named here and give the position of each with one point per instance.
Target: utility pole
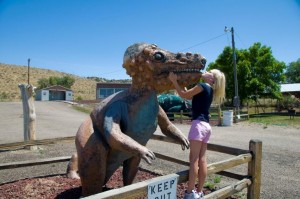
(236, 101)
(28, 70)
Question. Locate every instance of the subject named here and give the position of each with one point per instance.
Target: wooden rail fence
(215, 111)
(251, 180)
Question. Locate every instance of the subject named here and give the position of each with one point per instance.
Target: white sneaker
(201, 195)
(192, 195)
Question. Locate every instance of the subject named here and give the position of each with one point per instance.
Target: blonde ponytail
(218, 86)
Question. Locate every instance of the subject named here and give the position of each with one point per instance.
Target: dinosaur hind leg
(92, 166)
(130, 168)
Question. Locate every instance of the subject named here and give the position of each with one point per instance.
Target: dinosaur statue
(120, 126)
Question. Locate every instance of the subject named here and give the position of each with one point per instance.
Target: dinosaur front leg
(119, 141)
(170, 130)
(130, 168)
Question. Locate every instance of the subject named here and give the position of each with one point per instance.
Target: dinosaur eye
(203, 61)
(159, 56)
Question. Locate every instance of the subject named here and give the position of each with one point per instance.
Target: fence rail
(251, 180)
(25, 144)
(216, 115)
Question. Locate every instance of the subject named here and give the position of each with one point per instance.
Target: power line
(204, 42)
(198, 44)
(183, 49)
(240, 40)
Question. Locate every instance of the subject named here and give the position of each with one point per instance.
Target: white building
(291, 89)
(53, 93)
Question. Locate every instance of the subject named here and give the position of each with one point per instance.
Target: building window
(105, 92)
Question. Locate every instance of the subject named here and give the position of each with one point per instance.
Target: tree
(293, 72)
(66, 81)
(43, 83)
(258, 72)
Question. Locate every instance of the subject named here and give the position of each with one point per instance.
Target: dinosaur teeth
(191, 70)
(178, 71)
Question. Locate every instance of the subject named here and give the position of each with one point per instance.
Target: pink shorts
(200, 131)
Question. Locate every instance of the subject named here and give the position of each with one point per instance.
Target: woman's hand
(172, 77)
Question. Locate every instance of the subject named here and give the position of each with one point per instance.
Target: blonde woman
(203, 94)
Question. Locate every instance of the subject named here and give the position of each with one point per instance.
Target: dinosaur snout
(185, 57)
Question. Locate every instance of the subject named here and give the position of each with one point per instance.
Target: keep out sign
(164, 187)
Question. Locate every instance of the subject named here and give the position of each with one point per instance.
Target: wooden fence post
(235, 120)
(248, 116)
(219, 115)
(29, 115)
(254, 169)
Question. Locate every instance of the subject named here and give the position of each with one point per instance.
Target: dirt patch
(61, 187)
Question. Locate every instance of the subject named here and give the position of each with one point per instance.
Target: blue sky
(89, 37)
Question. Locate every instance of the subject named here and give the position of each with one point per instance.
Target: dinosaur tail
(72, 168)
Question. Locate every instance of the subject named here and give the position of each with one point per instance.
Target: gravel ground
(281, 148)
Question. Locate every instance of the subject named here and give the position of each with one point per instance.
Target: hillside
(12, 75)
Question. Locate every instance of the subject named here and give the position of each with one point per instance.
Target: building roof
(290, 88)
(56, 88)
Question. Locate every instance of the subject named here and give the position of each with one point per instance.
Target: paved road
(281, 146)
(54, 119)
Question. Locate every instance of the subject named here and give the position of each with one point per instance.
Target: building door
(57, 95)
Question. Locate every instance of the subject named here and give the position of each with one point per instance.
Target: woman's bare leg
(202, 172)
(195, 147)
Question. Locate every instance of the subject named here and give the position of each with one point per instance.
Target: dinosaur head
(149, 67)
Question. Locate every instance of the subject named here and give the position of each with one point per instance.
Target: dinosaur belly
(143, 122)
(140, 126)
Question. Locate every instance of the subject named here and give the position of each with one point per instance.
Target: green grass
(212, 181)
(83, 108)
(276, 120)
